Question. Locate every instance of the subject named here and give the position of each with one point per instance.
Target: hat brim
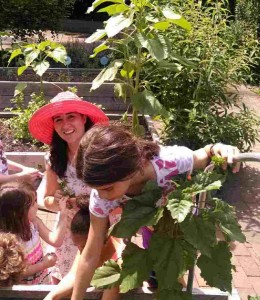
(41, 124)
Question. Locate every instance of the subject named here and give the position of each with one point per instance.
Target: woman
(61, 124)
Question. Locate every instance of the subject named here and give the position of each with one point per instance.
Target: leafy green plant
(184, 236)
(136, 33)
(23, 112)
(199, 99)
(37, 56)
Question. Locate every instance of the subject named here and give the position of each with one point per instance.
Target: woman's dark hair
(58, 151)
(108, 154)
(80, 222)
(15, 200)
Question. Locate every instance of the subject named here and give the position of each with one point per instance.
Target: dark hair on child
(80, 222)
(12, 261)
(15, 200)
(58, 151)
(108, 154)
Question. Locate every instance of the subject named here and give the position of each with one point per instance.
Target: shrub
(28, 17)
(197, 97)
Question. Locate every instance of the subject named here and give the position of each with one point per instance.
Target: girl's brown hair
(12, 261)
(109, 154)
(15, 200)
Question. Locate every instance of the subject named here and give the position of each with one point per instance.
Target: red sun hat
(41, 124)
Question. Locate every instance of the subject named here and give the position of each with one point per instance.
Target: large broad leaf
(120, 91)
(182, 60)
(217, 269)
(43, 45)
(117, 23)
(199, 232)
(176, 19)
(162, 25)
(96, 36)
(172, 294)
(107, 276)
(99, 49)
(146, 103)
(128, 70)
(179, 209)
(15, 53)
(107, 74)
(19, 88)
(29, 58)
(41, 67)
(96, 3)
(114, 9)
(21, 69)
(135, 268)
(139, 211)
(168, 261)
(157, 47)
(225, 216)
(59, 54)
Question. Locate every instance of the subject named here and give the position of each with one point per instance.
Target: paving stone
(255, 281)
(240, 279)
(249, 265)
(244, 293)
(239, 249)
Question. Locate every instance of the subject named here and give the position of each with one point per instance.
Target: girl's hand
(227, 152)
(71, 203)
(58, 195)
(30, 175)
(63, 204)
(49, 260)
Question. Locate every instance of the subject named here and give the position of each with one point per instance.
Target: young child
(79, 234)
(18, 209)
(12, 261)
(117, 166)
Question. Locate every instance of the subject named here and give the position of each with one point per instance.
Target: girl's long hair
(15, 200)
(108, 154)
(58, 151)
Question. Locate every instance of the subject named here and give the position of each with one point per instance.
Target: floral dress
(3, 160)
(67, 252)
(34, 254)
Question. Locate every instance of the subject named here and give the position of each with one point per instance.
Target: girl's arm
(55, 238)
(90, 257)
(202, 156)
(52, 190)
(65, 286)
(48, 261)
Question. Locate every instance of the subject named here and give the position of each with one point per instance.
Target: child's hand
(49, 260)
(71, 203)
(58, 195)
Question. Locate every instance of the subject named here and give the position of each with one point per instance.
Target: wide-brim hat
(41, 125)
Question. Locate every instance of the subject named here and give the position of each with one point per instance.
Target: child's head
(80, 227)
(108, 154)
(17, 207)
(12, 262)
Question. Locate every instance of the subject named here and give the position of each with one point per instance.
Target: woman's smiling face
(70, 126)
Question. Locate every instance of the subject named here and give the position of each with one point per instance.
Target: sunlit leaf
(176, 18)
(114, 9)
(179, 208)
(15, 53)
(117, 23)
(107, 276)
(41, 67)
(163, 25)
(99, 49)
(96, 3)
(19, 88)
(96, 36)
(20, 70)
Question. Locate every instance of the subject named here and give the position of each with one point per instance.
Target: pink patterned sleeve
(101, 207)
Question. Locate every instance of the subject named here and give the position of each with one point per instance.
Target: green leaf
(96, 3)
(139, 211)
(99, 49)
(120, 90)
(20, 70)
(107, 276)
(128, 70)
(114, 9)
(179, 209)
(182, 60)
(41, 67)
(146, 103)
(107, 74)
(59, 54)
(29, 58)
(19, 88)
(225, 216)
(162, 25)
(168, 261)
(157, 46)
(172, 66)
(15, 53)
(117, 23)
(96, 36)
(217, 269)
(176, 18)
(135, 268)
(199, 232)
(43, 45)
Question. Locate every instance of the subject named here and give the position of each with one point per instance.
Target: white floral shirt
(171, 161)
